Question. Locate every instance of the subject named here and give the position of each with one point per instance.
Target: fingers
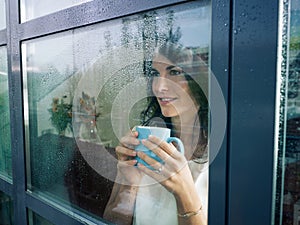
(159, 173)
(157, 145)
(127, 144)
(127, 163)
(130, 140)
(124, 153)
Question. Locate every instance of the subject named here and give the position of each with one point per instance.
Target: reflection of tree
(148, 29)
(5, 147)
(294, 75)
(126, 35)
(107, 37)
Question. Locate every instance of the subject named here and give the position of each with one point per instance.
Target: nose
(160, 85)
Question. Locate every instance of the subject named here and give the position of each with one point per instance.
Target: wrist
(190, 213)
(188, 200)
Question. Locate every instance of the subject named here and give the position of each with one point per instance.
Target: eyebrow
(169, 68)
(172, 66)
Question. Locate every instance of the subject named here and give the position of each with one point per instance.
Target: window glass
(85, 90)
(2, 15)
(31, 9)
(5, 147)
(6, 210)
(287, 198)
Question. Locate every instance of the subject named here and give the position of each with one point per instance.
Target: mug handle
(178, 142)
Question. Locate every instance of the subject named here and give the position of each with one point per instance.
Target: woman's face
(171, 88)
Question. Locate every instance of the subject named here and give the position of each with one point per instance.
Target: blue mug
(161, 133)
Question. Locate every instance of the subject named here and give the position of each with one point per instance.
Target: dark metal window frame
(243, 58)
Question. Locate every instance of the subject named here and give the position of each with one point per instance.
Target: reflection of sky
(2, 15)
(295, 4)
(80, 47)
(195, 26)
(3, 63)
(35, 8)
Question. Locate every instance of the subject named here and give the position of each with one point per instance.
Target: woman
(174, 192)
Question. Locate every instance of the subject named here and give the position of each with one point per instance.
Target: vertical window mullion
(16, 112)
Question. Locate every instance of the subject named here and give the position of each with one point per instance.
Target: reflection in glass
(84, 89)
(287, 198)
(2, 15)
(6, 209)
(31, 9)
(5, 147)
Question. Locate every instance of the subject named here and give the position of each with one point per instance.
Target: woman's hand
(174, 174)
(129, 173)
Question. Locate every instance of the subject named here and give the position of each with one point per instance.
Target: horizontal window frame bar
(6, 187)
(47, 210)
(97, 11)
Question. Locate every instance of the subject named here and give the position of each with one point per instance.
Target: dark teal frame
(243, 59)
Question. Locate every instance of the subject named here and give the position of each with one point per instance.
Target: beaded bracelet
(189, 214)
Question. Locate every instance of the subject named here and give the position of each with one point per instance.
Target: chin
(169, 113)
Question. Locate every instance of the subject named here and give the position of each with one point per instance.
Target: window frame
(231, 199)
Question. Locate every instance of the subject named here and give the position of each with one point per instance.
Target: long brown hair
(195, 68)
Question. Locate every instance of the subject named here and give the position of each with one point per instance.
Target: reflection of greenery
(2, 102)
(61, 114)
(5, 147)
(295, 43)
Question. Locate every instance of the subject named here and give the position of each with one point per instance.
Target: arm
(176, 177)
(120, 207)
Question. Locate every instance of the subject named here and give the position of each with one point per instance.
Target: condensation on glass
(287, 178)
(31, 9)
(6, 209)
(85, 89)
(5, 147)
(2, 15)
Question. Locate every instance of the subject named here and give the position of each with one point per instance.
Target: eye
(175, 72)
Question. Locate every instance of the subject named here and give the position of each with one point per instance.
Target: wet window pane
(86, 89)
(35, 219)
(287, 198)
(5, 147)
(31, 9)
(2, 15)
(6, 210)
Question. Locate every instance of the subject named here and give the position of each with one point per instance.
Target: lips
(166, 100)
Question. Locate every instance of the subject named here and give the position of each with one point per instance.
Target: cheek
(153, 86)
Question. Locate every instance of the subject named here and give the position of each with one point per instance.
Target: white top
(156, 205)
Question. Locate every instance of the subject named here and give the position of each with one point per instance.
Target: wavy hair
(194, 66)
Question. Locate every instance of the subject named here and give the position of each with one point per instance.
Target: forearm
(189, 204)
(120, 207)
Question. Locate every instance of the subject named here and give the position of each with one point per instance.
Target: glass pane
(287, 198)
(31, 9)
(35, 219)
(87, 88)
(6, 209)
(2, 15)
(5, 147)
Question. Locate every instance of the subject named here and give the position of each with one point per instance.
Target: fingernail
(150, 136)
